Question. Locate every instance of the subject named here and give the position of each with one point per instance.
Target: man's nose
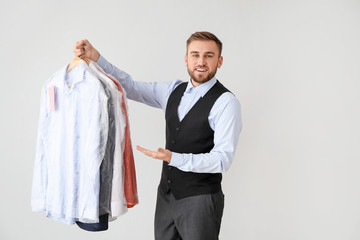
(201, 61)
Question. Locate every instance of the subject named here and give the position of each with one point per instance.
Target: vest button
(172, 141)
(177, 129)
(169, 181)
(169, 168)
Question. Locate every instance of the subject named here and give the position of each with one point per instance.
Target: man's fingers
(161, 153)
(157, 155)
(141, 149)
(78, 52)
(161, 150)
(81, 47)
(146, 151)
(82, 43)
(84, 49)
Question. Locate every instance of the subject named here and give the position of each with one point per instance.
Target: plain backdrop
(294, 66)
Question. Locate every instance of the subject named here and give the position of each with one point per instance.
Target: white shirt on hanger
(70, 146)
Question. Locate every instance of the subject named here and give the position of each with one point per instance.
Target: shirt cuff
(101, 62)
(176, 159)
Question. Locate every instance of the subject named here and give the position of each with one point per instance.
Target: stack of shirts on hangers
(84, 169)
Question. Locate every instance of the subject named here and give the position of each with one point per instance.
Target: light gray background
(294, 66)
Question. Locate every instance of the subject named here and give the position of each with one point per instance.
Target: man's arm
(152, 94)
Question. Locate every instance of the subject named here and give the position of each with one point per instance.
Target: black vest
(192, 135)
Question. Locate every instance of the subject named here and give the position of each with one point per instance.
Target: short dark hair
(204, 36)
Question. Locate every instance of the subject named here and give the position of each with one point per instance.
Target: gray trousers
(191, 218)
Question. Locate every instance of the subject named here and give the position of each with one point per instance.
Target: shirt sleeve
(154, 94)
(39, 183)
(226, 123)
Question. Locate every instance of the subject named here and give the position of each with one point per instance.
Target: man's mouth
(201, 69)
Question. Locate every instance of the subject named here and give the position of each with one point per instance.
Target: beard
(202, 78)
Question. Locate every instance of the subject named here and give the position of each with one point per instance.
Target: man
(203, 124)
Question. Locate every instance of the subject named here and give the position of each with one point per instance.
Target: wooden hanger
(76, 62)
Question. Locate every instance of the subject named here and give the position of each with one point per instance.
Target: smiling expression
(202, 61)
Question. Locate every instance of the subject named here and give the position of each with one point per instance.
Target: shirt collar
(79, 76)
(202, 89)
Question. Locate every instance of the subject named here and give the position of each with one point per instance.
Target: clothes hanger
(76, 62)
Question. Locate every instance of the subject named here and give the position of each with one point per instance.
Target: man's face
(202, 60)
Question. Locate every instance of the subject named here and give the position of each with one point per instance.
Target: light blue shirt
(224, 117)
(70, 147)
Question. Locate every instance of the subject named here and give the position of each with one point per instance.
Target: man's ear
(220, 62)
(186, 59)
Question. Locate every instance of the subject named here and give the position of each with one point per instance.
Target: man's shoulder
(228, 97)
(172, 85)
(227, 100)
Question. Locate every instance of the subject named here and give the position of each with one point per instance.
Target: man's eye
(195, 55)
(209, 56)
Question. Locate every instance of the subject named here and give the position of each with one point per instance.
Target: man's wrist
(96, 56)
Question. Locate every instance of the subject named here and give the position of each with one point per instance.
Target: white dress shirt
(70, 147)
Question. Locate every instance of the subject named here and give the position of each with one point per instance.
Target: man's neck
(195, 84)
